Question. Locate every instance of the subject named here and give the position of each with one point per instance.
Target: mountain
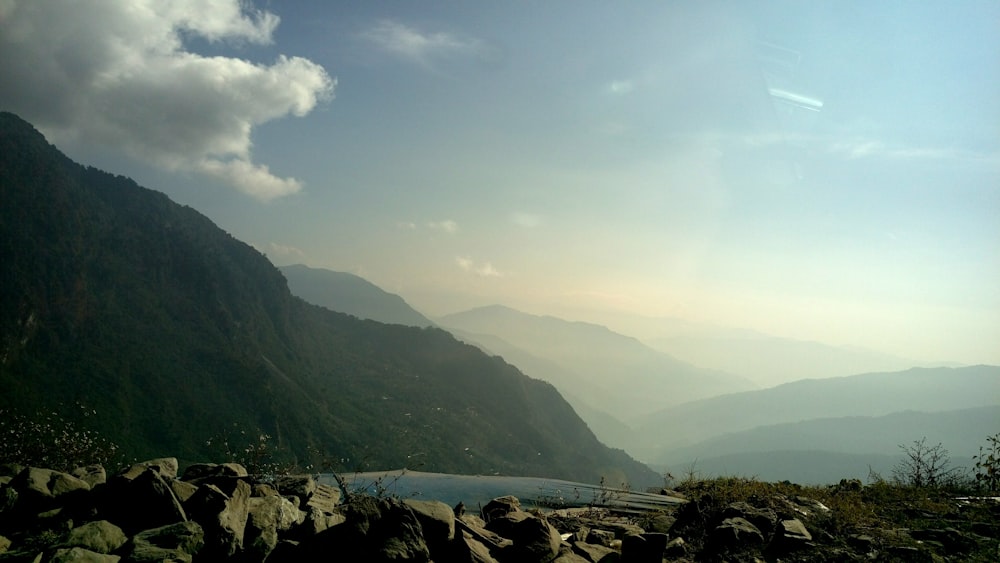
(603, 368)
(170, 332)
(858, 438)
(765, 359)
(351, 294)
(872, 394)
(769, 360)
(606, 427)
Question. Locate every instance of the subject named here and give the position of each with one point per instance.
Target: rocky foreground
(218, 513)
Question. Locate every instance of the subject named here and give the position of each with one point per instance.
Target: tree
(924, 466)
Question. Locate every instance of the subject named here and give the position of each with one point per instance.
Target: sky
(823, 170)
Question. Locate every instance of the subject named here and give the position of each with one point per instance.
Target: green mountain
(960, 431)
(872, 394)
(603, 368)
(351, 294)
(170, 331)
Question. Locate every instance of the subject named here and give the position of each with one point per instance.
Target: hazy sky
(820, 170)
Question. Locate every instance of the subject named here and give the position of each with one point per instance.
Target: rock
(176, 543)
(504, 525)
(80, 555)
(736, 533)
(469, 550)
(198, 472)
(645, 548)
(534, 540)
(375, 529)
(301, 486)
(600, 537)
(676, 549)
(567, 555)
(141, 502)
(501, 506)
(268, 516)
(764, 519)
(165, 467)
(592, 552)
(182, 490)
(324, 498)
(658, 523)
(952, 540)
(222, 516)
(93, 475)
(100, 537)
(437, 520)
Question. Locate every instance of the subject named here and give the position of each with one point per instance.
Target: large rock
(501, 506)
(437, 520)
(177, 543)
(645, 548)
(93, 475)
(80, 555)
(100, 536)
(468, 550)
(736, 533)
(202, 472)
(534, 540)
(142, 501)
(268, 517)
(375, 529)
(165, 467)
(222, 516)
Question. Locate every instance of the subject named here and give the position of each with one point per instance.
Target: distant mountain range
(170, 332)
(765, 359)
(601, 368)
(351, 294)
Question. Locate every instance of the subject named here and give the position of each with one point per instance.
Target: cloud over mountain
(118, 73)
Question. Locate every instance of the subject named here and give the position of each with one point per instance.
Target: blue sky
(819, 170)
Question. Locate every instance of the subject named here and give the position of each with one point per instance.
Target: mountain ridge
(172, 331)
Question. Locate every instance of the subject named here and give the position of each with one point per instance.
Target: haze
(824, 171)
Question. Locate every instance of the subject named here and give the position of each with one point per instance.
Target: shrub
(47, 439)
(925, 466)
(987, 466)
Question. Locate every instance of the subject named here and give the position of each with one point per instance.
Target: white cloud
(285, 250)
(483, 270)
(446, 226)
(417, 46)
(117, 73)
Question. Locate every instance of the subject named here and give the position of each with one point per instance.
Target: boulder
(324, 498)
(592, 552)
(468, 550)
(141, 501)
(268, 516)
(222, 516)
(437, 520)
(764, 519)
(736, 533)
(376, 529)
(198, 472)
(93, 475)
(100, 536)
(501, 506)
(301, 486)
(645, 548)
(80, 555)
(176, 543)
(534, 540)
(165, 467)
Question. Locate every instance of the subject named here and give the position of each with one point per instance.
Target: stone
(80, 555)
(324, 498)
(142, 502)
(222, 516)
(100, 536)
(592, 552)
(736, 533)
(376, 529)
(764, 519)
(676, 549)
(205, 471)
(176, 543)
(302, 486)
(645, 548)
(658, 523)
(182, 490)
(4, 544)
(600, 537)
(504, 525)
(437, 520)
(267, 517)
(534, 540)
(165, 467)
(469, 550)
(93, 475)
(501, 506)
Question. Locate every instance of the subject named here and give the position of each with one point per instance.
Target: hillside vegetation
(170, 332)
